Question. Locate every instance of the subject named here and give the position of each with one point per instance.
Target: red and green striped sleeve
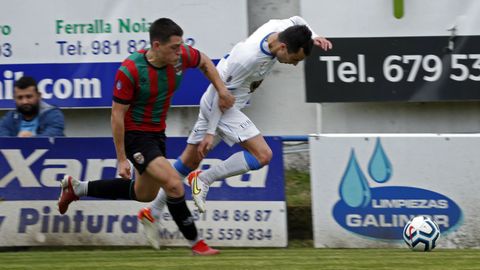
(190, 57)
(125, 81)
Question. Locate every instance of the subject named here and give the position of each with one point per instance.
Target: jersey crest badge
(139, 158)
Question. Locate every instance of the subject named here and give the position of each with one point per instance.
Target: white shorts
(234, 127)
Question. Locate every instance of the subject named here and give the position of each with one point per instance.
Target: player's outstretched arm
(323, 43)
(318, 41)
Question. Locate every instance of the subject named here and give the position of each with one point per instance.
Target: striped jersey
(148, 89)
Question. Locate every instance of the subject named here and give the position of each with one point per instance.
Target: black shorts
(142, 147)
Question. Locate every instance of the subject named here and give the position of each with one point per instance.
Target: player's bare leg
(162, 172)
(186, 163)
(190, 157)
(258, 147)
(147, 187)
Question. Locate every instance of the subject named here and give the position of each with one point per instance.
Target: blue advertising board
(86, 85)
(30, 169)
(243, 210)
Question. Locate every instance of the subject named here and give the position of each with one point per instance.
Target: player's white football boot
(150, 227)
(199, 190)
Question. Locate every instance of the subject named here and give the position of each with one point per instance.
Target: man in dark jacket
(33, 117)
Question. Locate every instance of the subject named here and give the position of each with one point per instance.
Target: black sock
(112, 189)
(182, 216)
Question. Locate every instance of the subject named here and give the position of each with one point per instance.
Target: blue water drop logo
(382, 212)
(354, 189)
(379, 167)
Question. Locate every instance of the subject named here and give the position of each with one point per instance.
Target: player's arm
(318, 41)
(226, 99)
(122, 96)
(118, 132)
(213, 118)
(236, 73)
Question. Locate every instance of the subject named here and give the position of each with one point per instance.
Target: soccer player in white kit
(286, 41)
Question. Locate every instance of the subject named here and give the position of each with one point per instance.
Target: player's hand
(205, 145)
(323, 43)
(25, 134)
(225, 100)
(124, 169)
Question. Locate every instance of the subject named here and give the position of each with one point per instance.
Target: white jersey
(248, 62)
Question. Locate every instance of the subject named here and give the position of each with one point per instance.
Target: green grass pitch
(239, 258)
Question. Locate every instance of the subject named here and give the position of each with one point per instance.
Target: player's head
(166, 39)
(296, 43)
(26, 95)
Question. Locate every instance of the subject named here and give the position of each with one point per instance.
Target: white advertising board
(74, 48)
(69, 31)
(366, 187)
(226, 223)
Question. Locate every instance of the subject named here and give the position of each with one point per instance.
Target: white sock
(234, 165)
(81, 189)
(158, 204)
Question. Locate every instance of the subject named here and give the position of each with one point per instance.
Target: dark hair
(163, 28)
(296, 37)
(25, 82)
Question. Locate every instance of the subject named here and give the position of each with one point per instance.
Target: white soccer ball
(421, 233)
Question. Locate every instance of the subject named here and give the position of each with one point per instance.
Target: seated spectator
(33, 117)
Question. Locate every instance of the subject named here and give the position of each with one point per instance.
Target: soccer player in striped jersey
(286, 41)
(144, 86)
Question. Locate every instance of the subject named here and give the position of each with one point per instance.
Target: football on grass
(421, 233)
